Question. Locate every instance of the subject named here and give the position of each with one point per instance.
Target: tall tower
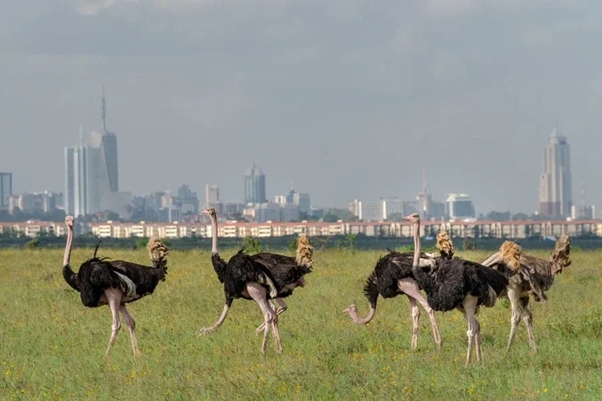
(109, 150)
(6, 189)
(555, 184)
(211, 195)
(75, 197)
(254, 185)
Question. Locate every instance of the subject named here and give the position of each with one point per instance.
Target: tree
(520, 216)
(330, 218)
(498, 216)
(252, 245)
(395, 217)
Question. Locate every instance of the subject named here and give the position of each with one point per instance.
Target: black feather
(452, 280)
(241, 270)
(219, 265)
(94, 277)
(70, 277)
(282, 269)
(371, 289)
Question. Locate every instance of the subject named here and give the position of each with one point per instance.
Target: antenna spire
(81, 135)
(104, 111)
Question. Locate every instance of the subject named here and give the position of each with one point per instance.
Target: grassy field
(52, 347)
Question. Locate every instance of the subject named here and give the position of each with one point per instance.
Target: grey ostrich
(115, 283)
(392, 276)
(457, 284)
(534, 277)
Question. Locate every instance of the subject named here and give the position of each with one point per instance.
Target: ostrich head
(69, 221)
(413, 218)
(211, 212)
(351, 309)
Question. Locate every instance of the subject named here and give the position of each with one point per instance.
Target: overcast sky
(345, 98)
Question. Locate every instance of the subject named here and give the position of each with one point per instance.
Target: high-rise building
(6, 189)
(108, 143)
(555, 184)
(91, 174)
(109, 153)
(254, 186)
(211, 195)
(76, 189)
(459, 206)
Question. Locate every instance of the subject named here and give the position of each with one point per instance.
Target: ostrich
(534, 277)
(282, 273)
(288, 272)
(391, 277)
(458, 284)
(115, 283)
(278, 273)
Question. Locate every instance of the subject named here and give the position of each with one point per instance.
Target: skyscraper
(254, 185)
(6, 189)
(91, 175)
(211, 195)
(76, 191)
(109, 153)
(555, 184)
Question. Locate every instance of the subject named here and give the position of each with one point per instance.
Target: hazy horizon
(346, 99)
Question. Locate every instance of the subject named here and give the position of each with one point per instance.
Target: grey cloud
(346, 98)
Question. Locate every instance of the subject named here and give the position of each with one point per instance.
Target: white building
(211, 195)
(459, 206)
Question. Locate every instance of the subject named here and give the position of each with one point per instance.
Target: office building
(555, 184)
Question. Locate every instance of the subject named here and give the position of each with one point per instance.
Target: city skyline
(349, 99)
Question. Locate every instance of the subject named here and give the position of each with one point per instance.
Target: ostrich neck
(213, 234)
(366, 320)
(417, 243)
(67, 256)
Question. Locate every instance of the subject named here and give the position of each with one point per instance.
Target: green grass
(52, 347)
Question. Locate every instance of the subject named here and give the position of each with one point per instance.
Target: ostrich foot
(261, 327)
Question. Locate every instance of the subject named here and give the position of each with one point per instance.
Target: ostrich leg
(470, 306)
(114, 300)
(209, 330)
(131, 325)
(515, 305)
(411, 289)
(281, 309)
(478, 340)
(415, 321)
(528, 318)
(258, 293)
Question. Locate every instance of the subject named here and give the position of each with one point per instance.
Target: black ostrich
(115, 283)
(392, 276)
(280, 273)
(456, 283)
(244, 278)
(287, 272)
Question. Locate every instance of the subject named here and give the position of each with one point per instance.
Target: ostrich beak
(493, 259)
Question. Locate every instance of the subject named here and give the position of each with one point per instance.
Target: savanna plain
(52, 347)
